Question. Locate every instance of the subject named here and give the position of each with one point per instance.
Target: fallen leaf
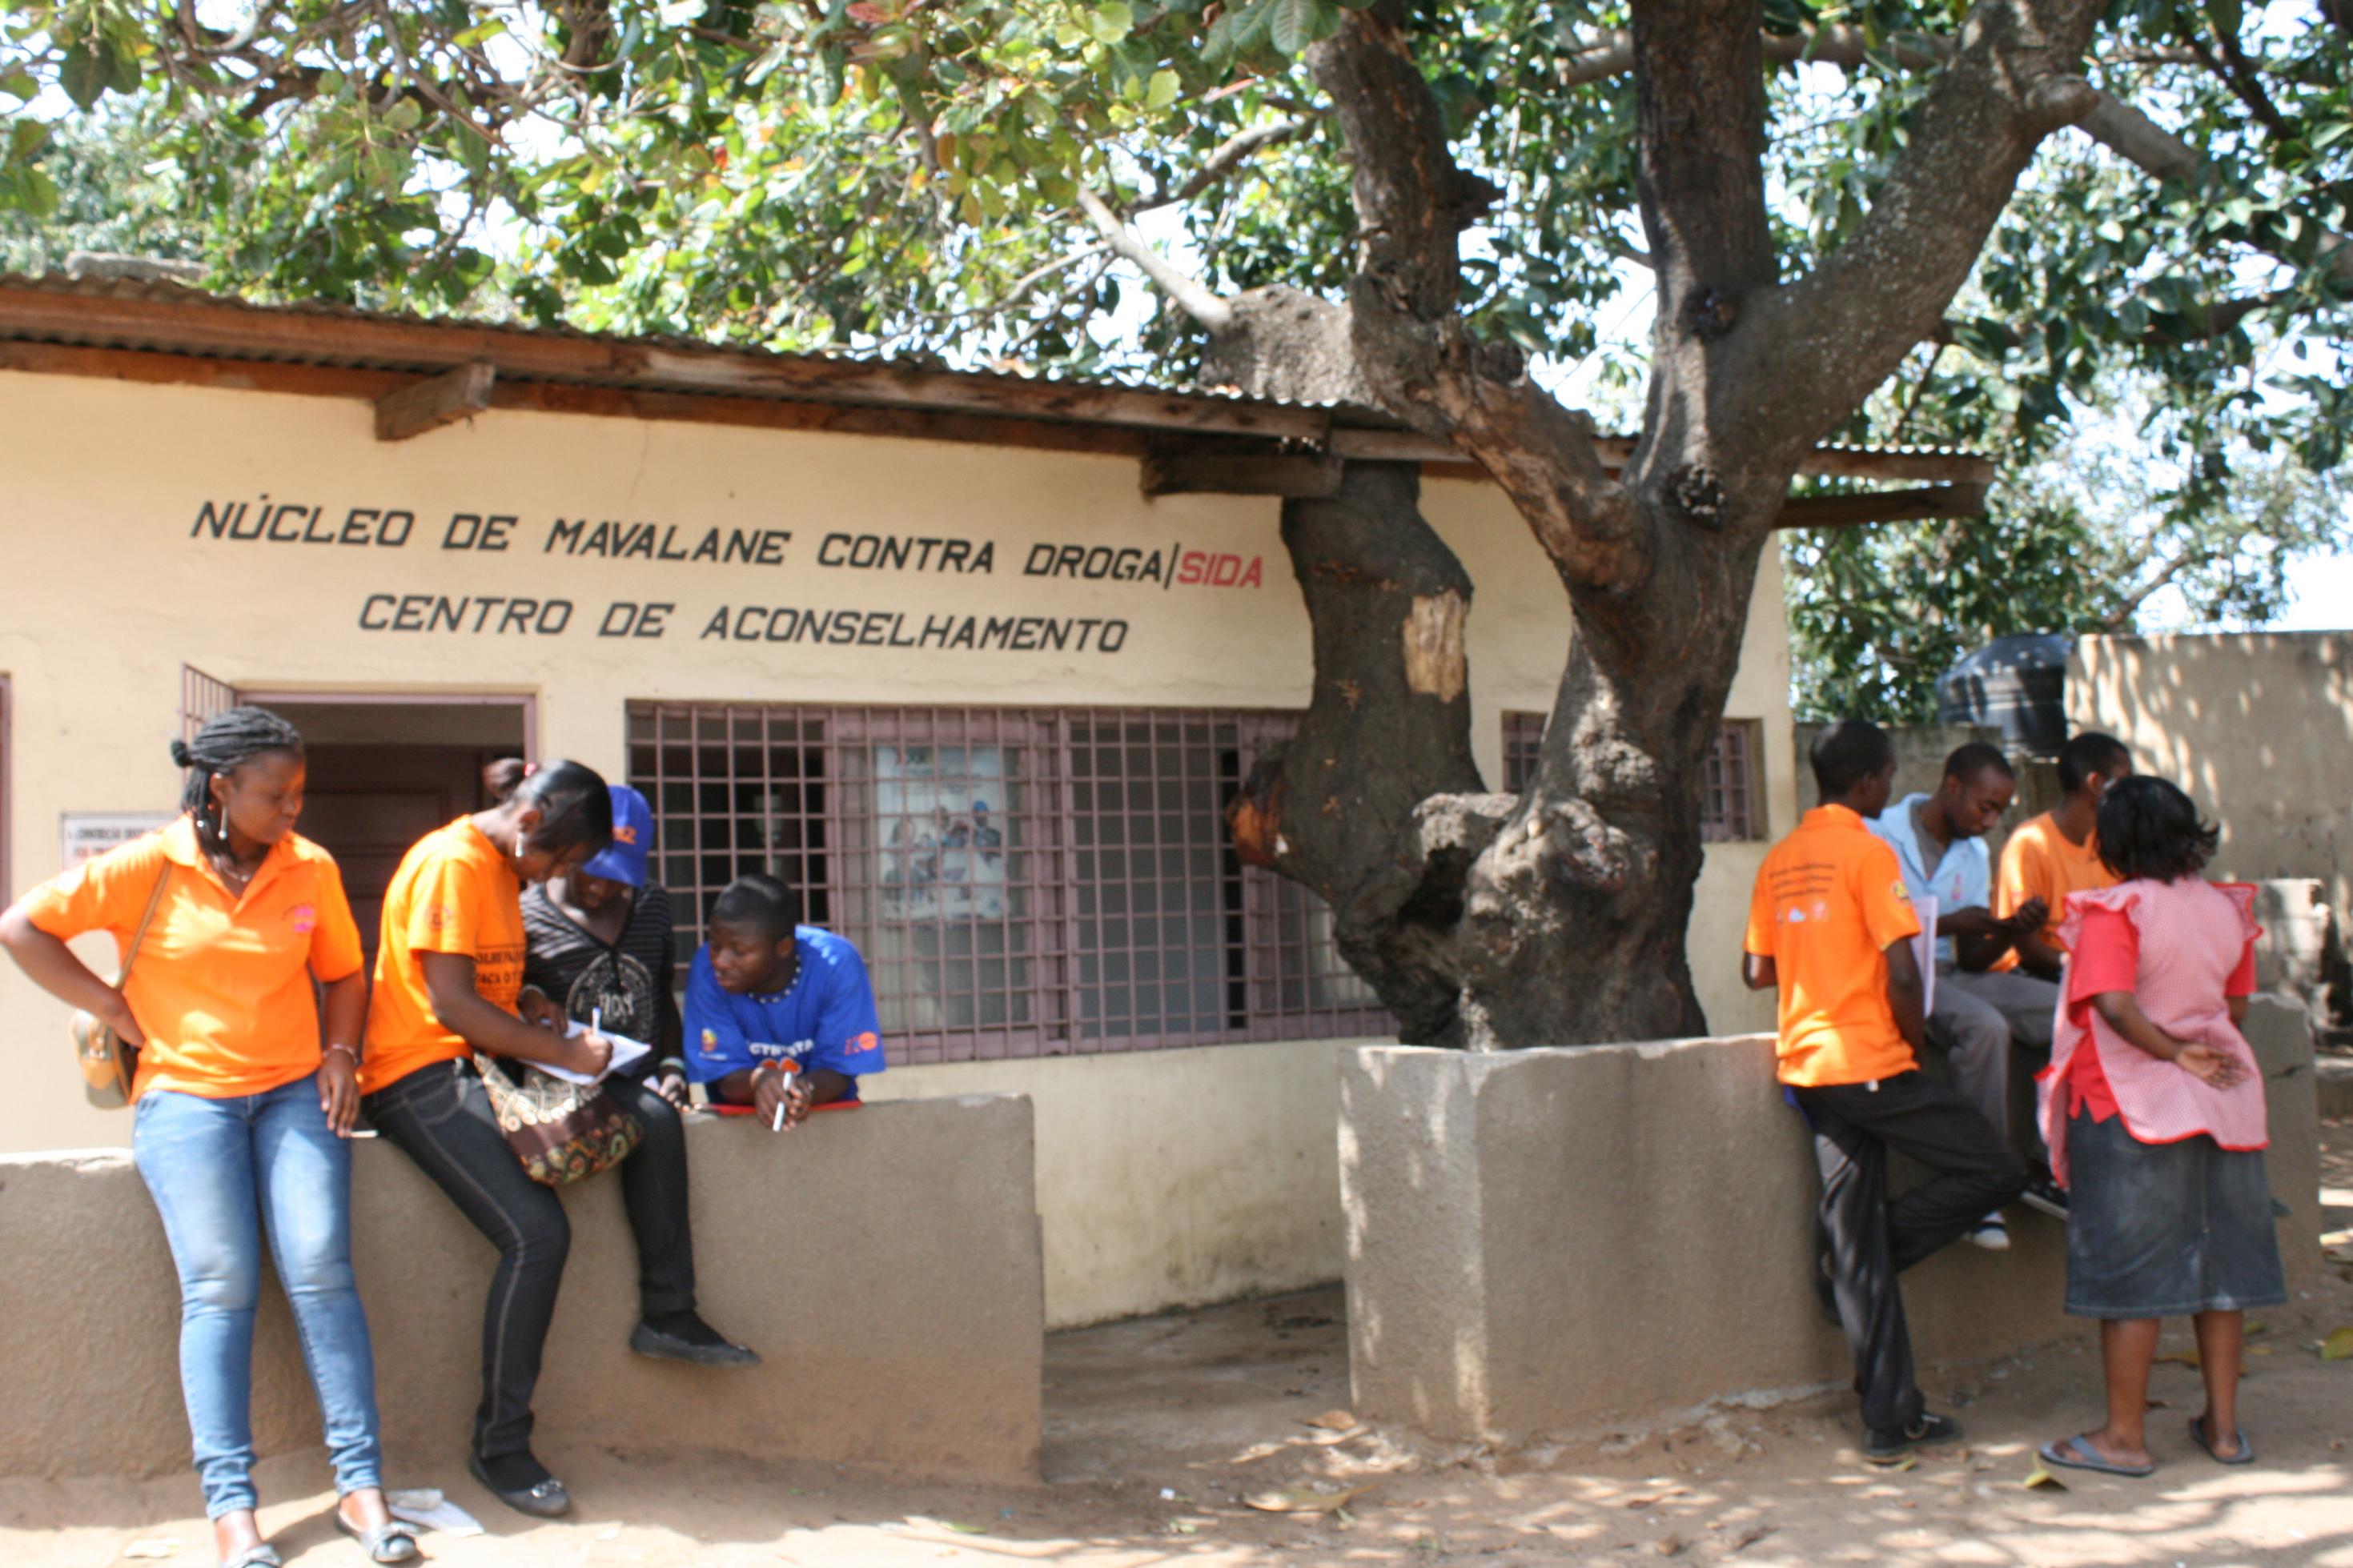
(1303, 1503)
(2338, 1345)
(160, 1547)
(2256, 1326)
(1332, 1420)
(1749, 1537)
(2180, 1358)
(1183, 1527)
(1670, 1546)
(1908, 1462)
(964, 1529)
(2259, 1350)
(2041, 1477)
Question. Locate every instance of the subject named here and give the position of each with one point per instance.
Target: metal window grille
(1729, 810)
(1523, 738)
(1021, 881)
(202, 697)
(7, 806)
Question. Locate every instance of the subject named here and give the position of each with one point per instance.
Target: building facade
(971, 686)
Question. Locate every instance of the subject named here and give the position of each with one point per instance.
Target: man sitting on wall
(1978, 1012)
(2058, 853)
(779, 1016)
(1831, 927)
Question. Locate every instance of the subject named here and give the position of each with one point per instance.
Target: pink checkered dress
(2193, 934)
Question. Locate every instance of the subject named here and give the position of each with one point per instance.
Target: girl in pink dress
(2154, 1109)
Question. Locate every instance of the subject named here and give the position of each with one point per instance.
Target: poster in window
(940, 813)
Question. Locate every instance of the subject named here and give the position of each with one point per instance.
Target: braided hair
(226, 742)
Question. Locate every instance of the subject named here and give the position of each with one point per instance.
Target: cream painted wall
(107, 595)
(2257, 726)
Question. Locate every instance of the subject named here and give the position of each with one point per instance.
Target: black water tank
(2017, 685)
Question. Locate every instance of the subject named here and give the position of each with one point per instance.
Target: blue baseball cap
(624, 861)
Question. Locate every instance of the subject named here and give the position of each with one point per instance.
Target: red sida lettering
(1198, 569)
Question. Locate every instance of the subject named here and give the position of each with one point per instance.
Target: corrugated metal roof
(624, 361)
(163, 291)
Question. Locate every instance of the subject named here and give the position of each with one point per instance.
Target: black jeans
(440, 1117)
(1872, 1240)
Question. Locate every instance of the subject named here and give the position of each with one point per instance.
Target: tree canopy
(1884, 221)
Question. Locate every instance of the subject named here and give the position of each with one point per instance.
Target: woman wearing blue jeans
(242, 1116)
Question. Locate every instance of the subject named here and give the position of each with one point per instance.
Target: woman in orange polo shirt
(241, 1116)
(448, 975)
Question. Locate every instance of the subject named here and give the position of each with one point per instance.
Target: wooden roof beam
(436, 401)
(1823, 462)
(1882, 505)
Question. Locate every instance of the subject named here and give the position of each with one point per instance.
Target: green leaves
(1295, 24)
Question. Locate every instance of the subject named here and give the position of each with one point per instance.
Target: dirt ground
(1159, 1432)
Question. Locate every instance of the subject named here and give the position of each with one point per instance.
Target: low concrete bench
(1547, 1243)
(884, 1262)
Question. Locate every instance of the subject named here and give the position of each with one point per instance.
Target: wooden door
(366, 804)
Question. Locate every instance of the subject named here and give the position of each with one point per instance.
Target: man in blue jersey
(779, 1016)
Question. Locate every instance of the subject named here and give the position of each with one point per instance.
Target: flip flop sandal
(393, 1542)
(2074, 1454)
(261, 1554)
(2245, 1455)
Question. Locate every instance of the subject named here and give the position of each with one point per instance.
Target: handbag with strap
(563, 1133)
(109, 1063)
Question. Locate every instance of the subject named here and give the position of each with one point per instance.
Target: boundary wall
(883, 1261)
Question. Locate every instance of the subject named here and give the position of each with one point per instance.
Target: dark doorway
(384, 774)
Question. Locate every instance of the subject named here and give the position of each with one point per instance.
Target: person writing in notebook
(780, 1017)
(1830, 928)
(2058, 853)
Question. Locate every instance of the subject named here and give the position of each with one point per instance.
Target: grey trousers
(1976, 1020)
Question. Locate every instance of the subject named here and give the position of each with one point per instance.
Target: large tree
(1387, 204)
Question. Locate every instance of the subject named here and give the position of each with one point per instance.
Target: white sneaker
(1992, 1234)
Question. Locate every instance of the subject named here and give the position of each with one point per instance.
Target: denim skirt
(2161, 1230)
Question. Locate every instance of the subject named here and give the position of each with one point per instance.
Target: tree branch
(1409, 342)
(2113, 123)
(1227, 156)
(1843, 329)
(1196, 298)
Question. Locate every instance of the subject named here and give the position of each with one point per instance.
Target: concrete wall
(2258, 727)
(1146, 1208)
(1173, 1178)
(1543, 1242)
(896, 1296)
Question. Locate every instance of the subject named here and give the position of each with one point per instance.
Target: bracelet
(347, 1050)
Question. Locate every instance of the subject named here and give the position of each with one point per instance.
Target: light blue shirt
(1962, 879)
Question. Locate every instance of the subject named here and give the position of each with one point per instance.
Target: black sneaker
(1885, 1447)
(703, 1347)
(2046, 1196)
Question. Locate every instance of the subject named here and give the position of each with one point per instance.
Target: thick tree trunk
(1559, 917)
(1485, 919)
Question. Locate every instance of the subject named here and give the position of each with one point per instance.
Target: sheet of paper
(1924, 949)
(426, 1508)
(625, 1051)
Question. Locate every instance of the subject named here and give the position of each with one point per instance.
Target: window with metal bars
(1732, 808)
(1021, 881)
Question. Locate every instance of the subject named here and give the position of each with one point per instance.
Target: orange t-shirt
(1830, 901)
(221, 986)
(454, 894)
(2040, 863)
